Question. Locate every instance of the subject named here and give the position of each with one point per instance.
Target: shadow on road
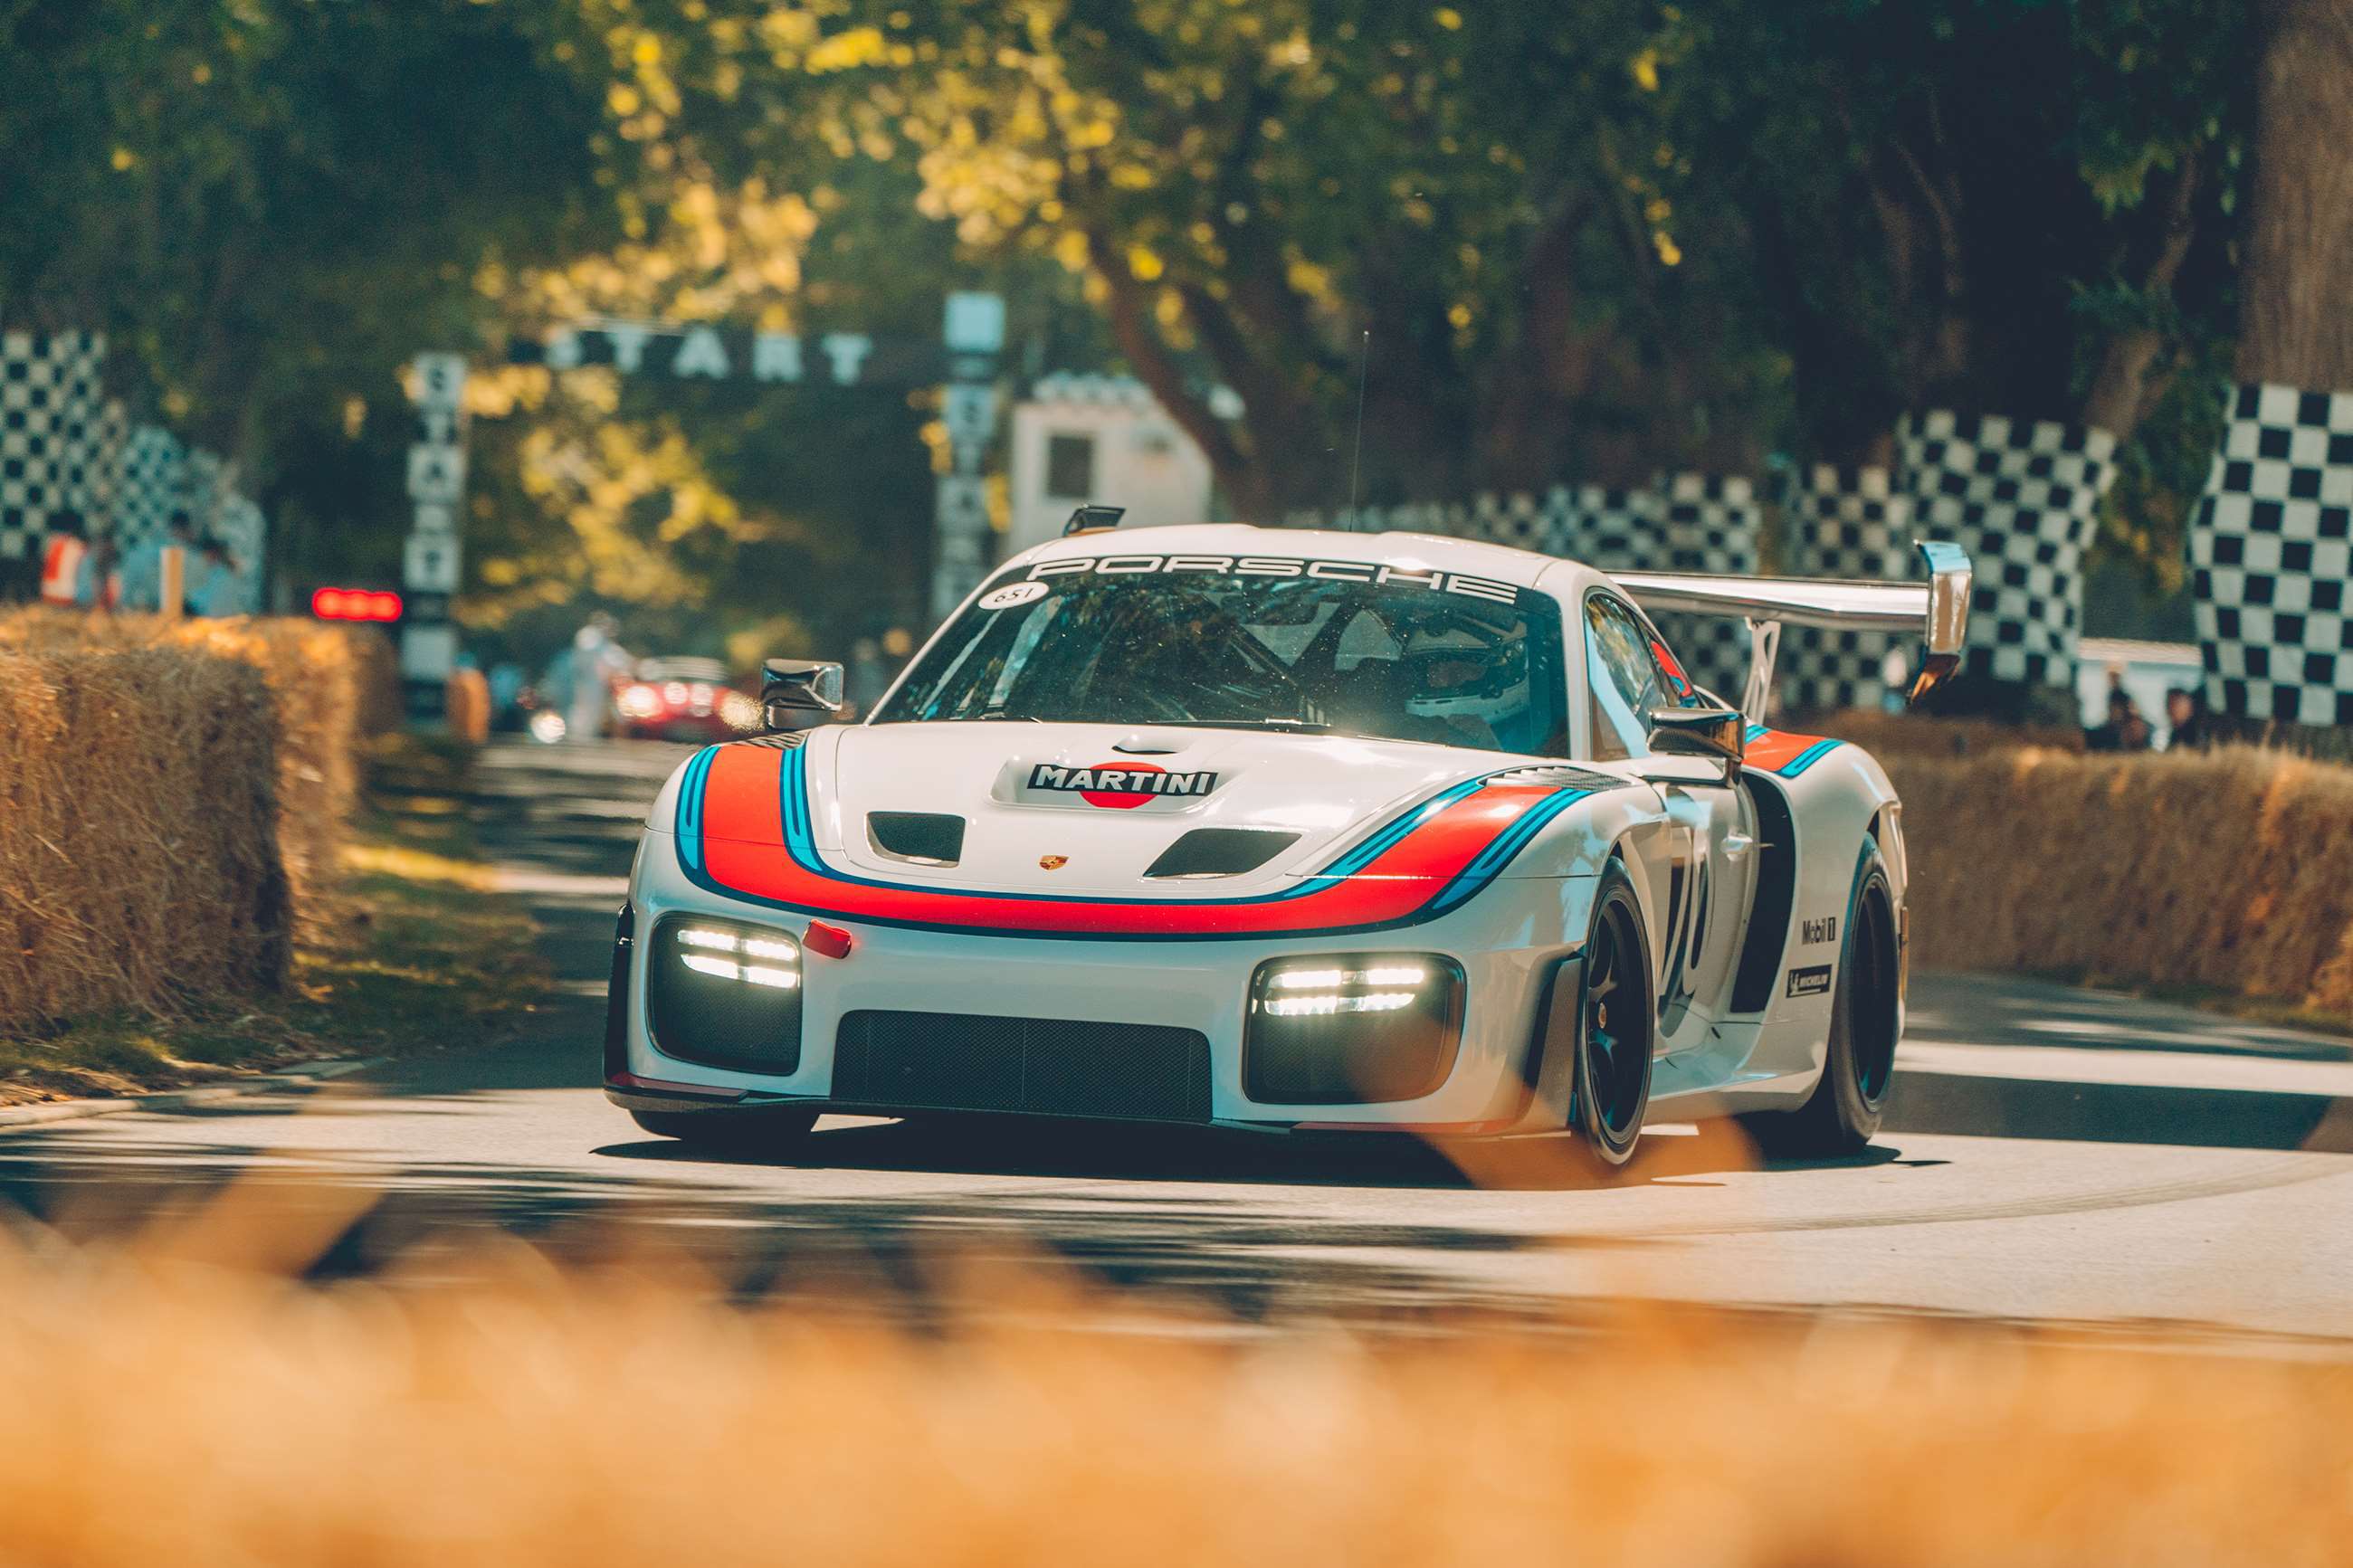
(888, 1251)
(1014, 1146)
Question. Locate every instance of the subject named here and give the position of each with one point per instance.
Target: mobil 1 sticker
(1809, 981)
(1323, 571)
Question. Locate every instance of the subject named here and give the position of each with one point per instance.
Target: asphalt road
(2055, 1155)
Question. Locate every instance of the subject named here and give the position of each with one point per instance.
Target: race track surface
(2055, 1155)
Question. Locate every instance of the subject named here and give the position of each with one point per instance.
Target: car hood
(1089, 809)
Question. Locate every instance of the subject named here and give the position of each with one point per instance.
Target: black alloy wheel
(1842, 1114)
(1617, 1025)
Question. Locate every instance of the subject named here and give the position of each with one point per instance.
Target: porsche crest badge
(1052, 862)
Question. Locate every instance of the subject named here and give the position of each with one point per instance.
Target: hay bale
(313, 674)
(383, 705)
(2231, 868)
(1913, 734)
(140, 864)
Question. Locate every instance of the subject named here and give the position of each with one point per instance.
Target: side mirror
(1716, 733)
(798, 693)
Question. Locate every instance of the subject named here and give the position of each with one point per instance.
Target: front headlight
(725, 994)
(1352, 1028)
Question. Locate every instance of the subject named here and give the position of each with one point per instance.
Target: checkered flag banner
(2269, 557)
(1843, 522)
(53, 424)
(106, 483)
(1682, 522)
(149, 480)
(1616, 530)
(2020, 499)
(203, 483)
(1713, 525)
(237, 524)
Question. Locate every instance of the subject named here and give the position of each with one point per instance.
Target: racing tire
(762, 1132)
(1842, 1115)
(1617, 1027)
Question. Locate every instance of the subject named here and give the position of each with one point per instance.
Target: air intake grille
(917, 835)
(1045, 1066)
(1220, 852)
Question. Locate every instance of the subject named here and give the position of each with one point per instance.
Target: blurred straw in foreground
(181, 1399)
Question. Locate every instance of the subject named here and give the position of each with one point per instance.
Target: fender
(1834, 800)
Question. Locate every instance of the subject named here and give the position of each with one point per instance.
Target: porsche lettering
(1412, 575)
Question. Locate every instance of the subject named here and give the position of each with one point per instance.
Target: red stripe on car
(743, 852)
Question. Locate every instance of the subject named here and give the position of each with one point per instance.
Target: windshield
(1253, 643)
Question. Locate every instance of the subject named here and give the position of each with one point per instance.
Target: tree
(2294, 327)
(1247, 191)
(2012, 207)
(267, 200)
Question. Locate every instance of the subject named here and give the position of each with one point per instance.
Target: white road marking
(2125, 1064)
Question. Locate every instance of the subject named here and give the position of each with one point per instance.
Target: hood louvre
(1220, 852)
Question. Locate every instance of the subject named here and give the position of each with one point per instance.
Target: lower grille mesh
(1046, 1067)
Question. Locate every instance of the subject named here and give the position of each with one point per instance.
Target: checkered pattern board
(53, 423)
(1713, 524)
(2020, 499)
(2271, 552)
(1843, 522)
(150, 474)
(1617, 529)
(236, 523)
(1682, 522)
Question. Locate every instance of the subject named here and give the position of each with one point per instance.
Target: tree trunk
(2294, 326)
(2124, 391)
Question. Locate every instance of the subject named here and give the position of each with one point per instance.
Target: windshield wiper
(989, 713)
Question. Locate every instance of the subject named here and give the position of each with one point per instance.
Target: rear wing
(1936, 610)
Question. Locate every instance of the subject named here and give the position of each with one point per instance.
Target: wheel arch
(1548, 1068)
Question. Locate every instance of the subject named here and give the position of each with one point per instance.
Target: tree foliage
(1582, 239)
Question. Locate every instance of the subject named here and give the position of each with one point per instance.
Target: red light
(354, 605)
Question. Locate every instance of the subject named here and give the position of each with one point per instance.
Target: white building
(1102, 438)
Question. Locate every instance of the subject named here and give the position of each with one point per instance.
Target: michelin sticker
(1013, 593)
(1809, 981)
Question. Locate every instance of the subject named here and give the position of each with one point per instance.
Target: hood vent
(1220, 852)
(925, 837)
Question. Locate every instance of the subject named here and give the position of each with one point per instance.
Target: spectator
(61, 559)
(214, 587)
(99, 584)
(142, 569)
(506, 695)
(2125, 730)
(598, 661)
(2193, 727)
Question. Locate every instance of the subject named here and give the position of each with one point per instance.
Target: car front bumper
(1509, 942)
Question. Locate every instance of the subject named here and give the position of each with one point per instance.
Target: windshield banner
(1264, 566)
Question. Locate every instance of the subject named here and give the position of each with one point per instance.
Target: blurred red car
(681, 699)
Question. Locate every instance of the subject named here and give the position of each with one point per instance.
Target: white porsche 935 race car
(1286, 830)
